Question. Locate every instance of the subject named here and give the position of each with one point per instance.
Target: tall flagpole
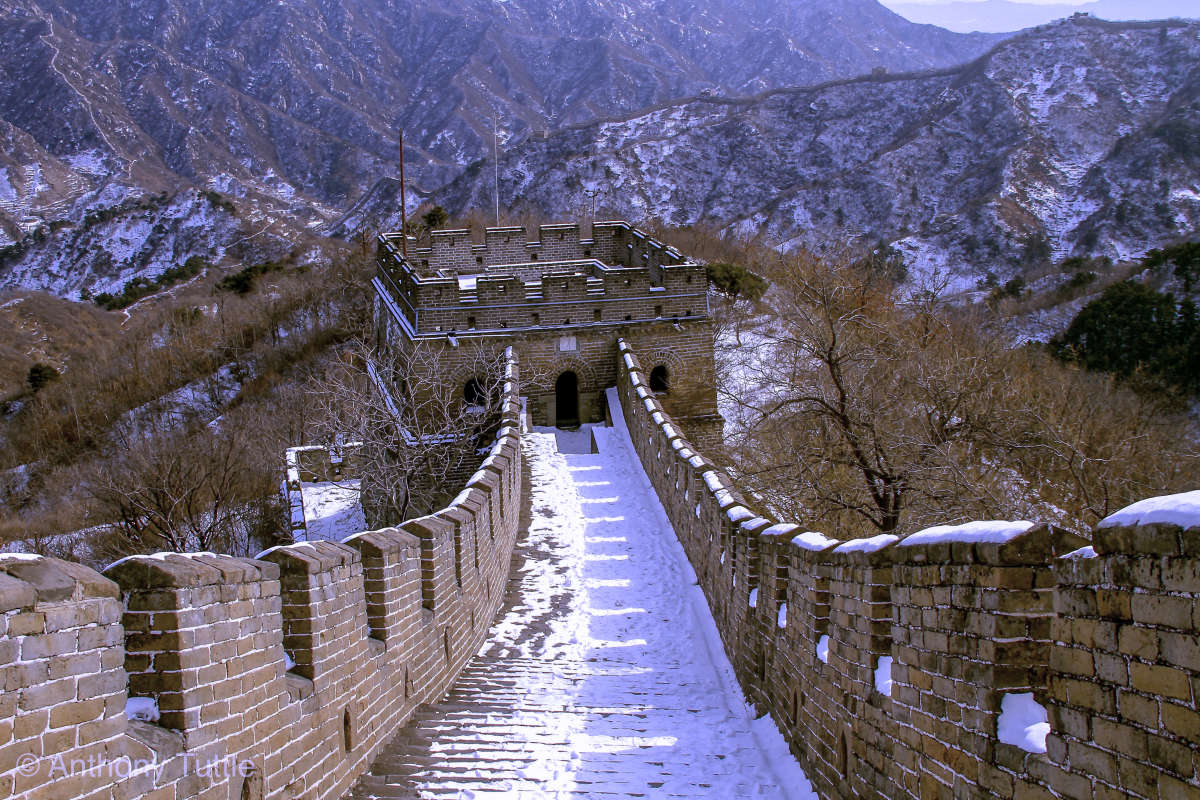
(403, 204)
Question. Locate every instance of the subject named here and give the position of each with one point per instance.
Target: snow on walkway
(332, 510)
(603, 676)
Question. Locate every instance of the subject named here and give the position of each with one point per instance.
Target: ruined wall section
(276, 677)
(312, 464)
(888, 662)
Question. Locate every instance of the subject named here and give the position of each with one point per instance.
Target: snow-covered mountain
(1077, 138)
(298, 103)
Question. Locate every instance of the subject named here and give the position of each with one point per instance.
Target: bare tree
(864, 409)
(185, 490)
(421, 431)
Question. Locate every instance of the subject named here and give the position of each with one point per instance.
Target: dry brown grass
(42, 328)
(75, 427)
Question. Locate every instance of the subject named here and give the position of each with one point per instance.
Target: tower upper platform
(508, 283)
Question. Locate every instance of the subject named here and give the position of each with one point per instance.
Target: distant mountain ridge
(296, 105)
(1080, 138)
(1004, 16)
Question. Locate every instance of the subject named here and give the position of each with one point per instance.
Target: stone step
(618, 763)
(574, 723)
(609, 779)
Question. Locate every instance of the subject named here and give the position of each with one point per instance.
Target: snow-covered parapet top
(997, 542)
(986, 532)
(871, 545)
(811, 540)
(1161, 526)
(994, 541)
(26, 579)
(1182, 510)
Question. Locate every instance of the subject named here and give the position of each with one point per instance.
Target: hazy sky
(948, 2)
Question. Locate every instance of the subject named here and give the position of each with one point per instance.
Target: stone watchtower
(562, 301)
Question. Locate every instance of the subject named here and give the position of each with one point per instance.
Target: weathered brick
(1139, 642)
(1158, 680)
(1163, 610)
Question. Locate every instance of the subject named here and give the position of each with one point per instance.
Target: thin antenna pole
(496, 162)
(403, 203)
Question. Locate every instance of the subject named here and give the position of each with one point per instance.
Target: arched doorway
(660, 381)
(566, 400)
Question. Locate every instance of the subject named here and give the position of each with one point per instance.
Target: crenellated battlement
(889, 663)
(563, 300)
(454, 251)
(896, 666)
(508, 284)
(207, 676)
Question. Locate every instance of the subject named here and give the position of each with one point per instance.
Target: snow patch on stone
(1172, 509)
(143, 709)
(983, 532)
(1083, 552)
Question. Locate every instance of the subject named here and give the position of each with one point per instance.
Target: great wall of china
(1109, 643)
(274, 677)
(885, 662)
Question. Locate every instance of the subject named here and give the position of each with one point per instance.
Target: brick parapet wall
(276, 677)
(623, 276)
(615, 242)
(1108, 644)
(1125, 684)
(63, 692)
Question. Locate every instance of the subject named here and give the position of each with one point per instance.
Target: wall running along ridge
(276, 677)
(970, 615)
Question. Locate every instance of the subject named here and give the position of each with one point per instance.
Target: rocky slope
(1077, 138)
(111, 236)
(295, 105)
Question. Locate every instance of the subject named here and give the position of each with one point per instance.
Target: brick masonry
(562, 302)
(1109, 644)
(283, 676)
(276, 677)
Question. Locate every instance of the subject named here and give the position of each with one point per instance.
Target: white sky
(946, 2)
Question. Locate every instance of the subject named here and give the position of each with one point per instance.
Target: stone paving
(602, 677)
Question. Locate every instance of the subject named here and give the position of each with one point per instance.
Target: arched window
(660, 380)
(473, 394)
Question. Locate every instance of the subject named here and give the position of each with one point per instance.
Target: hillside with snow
(1081, 138)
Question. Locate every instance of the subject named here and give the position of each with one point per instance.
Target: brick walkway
(597, 679)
